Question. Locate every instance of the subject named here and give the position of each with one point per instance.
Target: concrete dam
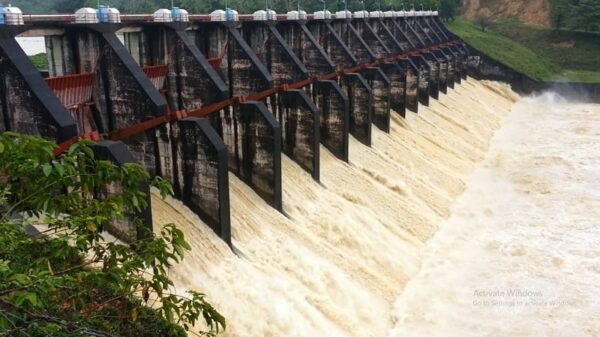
(334, 173)
(191, 97)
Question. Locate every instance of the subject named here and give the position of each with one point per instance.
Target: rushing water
(335, 263)
(520, 255)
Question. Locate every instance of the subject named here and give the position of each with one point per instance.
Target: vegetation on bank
(40, 61)
(581, 15)
(69, 280)
(541, 53)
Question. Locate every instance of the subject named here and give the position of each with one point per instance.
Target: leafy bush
(69, 280)
(40, 61)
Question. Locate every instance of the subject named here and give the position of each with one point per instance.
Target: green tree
(69, 280)
(559, 13)
(448, 9)
(484, 19)
(586, 15)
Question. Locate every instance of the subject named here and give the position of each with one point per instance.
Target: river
(520, 254)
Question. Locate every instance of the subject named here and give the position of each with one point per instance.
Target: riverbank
(542, 54)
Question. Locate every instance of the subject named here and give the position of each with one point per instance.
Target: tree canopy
(67, 278)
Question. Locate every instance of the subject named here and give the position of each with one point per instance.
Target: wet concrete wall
(129, 98)
(250, 131)
(396, 73)
(380, 86)
(191, 81)
(27, 105)
(297, 115)
(424, 78)
(300, 128)
(305, 46)
(353, 40)
(201, 173)
(253, 138)
(412, 85)
(360, 101)
(378, 48)
(434, 74)
(333, 44)
(443, 61)
(334, 107)
(386, 36)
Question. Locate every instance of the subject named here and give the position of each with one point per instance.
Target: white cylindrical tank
(259, 15)
(231, 15)
(410, 13)
(162, 15)
(86, 15)
(217, 15)
(345, 14)
(185, 16)
(389, 14)
(293, 15)
(180, 15)
(434, 13)
(361, 14)
(114, 16)
(13, 16)
(271, 15)
(302, 15)
(376, 14)
(320, 15)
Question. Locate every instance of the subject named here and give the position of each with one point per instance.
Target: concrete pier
(201, 179)
(334, 106)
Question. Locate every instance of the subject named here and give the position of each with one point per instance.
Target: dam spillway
(344, 248)
(313, 158)
(193, 97)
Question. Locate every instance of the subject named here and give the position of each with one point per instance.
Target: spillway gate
(193, 100)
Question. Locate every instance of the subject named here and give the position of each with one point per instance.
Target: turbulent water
(338, 259)
(520, 255)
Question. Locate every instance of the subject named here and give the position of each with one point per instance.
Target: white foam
(336, 263)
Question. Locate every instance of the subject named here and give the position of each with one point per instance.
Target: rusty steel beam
(129, 131)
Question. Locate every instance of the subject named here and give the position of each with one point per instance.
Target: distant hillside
(541, 53)
(531, 12)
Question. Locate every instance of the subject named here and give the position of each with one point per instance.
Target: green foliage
(448, 9)
(534, 51)
(69, 280)
(569, 50)
(586, 15)
(40, 61)
(575, 14)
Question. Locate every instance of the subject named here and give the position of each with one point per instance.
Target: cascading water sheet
(336, 261)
